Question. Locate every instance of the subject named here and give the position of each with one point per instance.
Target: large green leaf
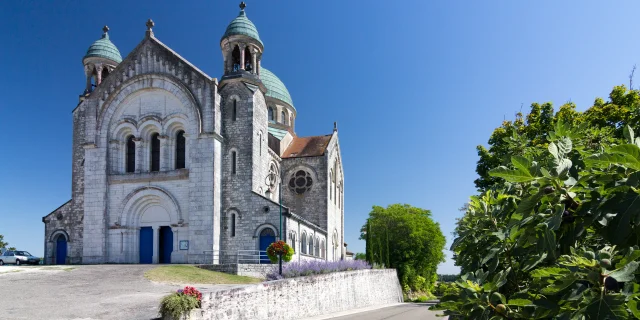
(626, 207)
(521, 163)
(549, 272)
(526, 205)
(633, 307)
(564, 146)
(550, 242)
(560, 285)
(628, 133)
(607, 159)
(512, 175)
(520, 302)
(625, 273)
(628, 149)
(607, 307)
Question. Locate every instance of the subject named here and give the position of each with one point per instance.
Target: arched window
(283, 117)
(105, 73)
(271, 115)
(260, 141)
(233, 224)
(234, 111)
(235, 59)
(181, 149)
(233, 162)
(317, 247)
(155, 152)
(322, 250)
(291, 121)
(330, 184)
(310, 245)
(303, 243)
(131, 154)
(248, 60)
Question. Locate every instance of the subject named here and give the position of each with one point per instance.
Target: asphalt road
(405, 311)
(81, 292)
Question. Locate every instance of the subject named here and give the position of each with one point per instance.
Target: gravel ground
(84, 292)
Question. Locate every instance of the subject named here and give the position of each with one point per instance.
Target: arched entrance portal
(267, 237)
(156, 237)
(61, 249)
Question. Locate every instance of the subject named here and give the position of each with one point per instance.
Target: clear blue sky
(414, 85)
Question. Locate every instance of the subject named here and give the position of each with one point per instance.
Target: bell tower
(241, 46)
(101, 58)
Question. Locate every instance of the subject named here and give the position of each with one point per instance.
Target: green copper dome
(275, 87)
(241, 25)
(104, 48)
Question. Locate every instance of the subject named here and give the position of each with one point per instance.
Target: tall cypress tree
(368, 244)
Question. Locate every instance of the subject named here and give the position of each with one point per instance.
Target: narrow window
(233, 224)
(131, 154)
(271, 115)
(235, 58)
(155, 152)
(283, 118)
(233, 162)
(303, 244)
(181, 149)
(317, 247)
(260, 141)
(310, 245)
(234, 111)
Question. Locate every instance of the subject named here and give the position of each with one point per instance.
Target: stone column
(98, 74)
(88, 72)
(156, 242)
(254, 58)
(139, 154)
(114, 157)
(165, 147)
(242, 57)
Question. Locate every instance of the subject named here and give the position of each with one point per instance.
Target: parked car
(18, 257)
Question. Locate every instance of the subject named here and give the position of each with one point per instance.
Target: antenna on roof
(242, 5)
(335, 126)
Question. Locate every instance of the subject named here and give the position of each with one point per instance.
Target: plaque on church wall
(184, 244)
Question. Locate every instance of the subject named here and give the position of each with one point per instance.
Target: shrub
(557, 237)
(280, 248)
(180, 303)
(307, 268)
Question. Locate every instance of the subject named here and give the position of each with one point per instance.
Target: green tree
(405, 238)
(360, 256)
(555, 231)
(12, 249)
(2, 243)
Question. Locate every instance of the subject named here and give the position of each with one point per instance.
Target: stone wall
(302, 297)
(250, 270)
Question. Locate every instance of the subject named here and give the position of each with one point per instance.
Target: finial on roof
(242, 5)
(335, 126)
(150, 24)
(105, 31)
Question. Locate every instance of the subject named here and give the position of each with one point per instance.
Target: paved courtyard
(81, 292)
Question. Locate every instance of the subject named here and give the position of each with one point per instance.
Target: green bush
(177, 305)
(446, 289)
(556, 234)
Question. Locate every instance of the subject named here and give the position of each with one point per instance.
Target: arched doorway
(267, 237)
(61, 249)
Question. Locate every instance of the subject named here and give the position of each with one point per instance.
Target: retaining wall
(302, 297)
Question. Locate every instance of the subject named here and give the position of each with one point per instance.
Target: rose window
(300, 182)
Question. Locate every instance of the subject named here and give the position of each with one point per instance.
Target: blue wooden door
(146, 245)
(267, 237)
(61, 250)
(166, 244)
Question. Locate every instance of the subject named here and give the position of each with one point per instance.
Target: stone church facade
(173, 166)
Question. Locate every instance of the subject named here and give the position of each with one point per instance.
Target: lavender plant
(307, 268)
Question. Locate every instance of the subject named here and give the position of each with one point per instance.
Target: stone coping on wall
(302, 297)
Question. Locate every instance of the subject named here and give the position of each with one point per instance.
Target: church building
(171, 165)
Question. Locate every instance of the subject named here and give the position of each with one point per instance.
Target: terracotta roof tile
(307, 146)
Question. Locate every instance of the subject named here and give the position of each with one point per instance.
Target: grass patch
(68, 269)
(10, 271)
(181, 274)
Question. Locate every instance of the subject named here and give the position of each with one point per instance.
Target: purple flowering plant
(307, 268)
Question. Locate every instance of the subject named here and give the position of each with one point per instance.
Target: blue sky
(413, 85)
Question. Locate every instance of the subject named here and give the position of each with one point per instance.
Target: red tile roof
(307, 146)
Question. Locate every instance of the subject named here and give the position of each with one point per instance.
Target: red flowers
(280, 248)
(191, 291)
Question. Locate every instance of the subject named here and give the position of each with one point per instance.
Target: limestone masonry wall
(302, 297)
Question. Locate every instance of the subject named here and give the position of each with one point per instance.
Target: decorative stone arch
(228, 106)
(135, 204)
(149, 127)
(59, 232)
(256, 232)
(174, 123)
(137, 83)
